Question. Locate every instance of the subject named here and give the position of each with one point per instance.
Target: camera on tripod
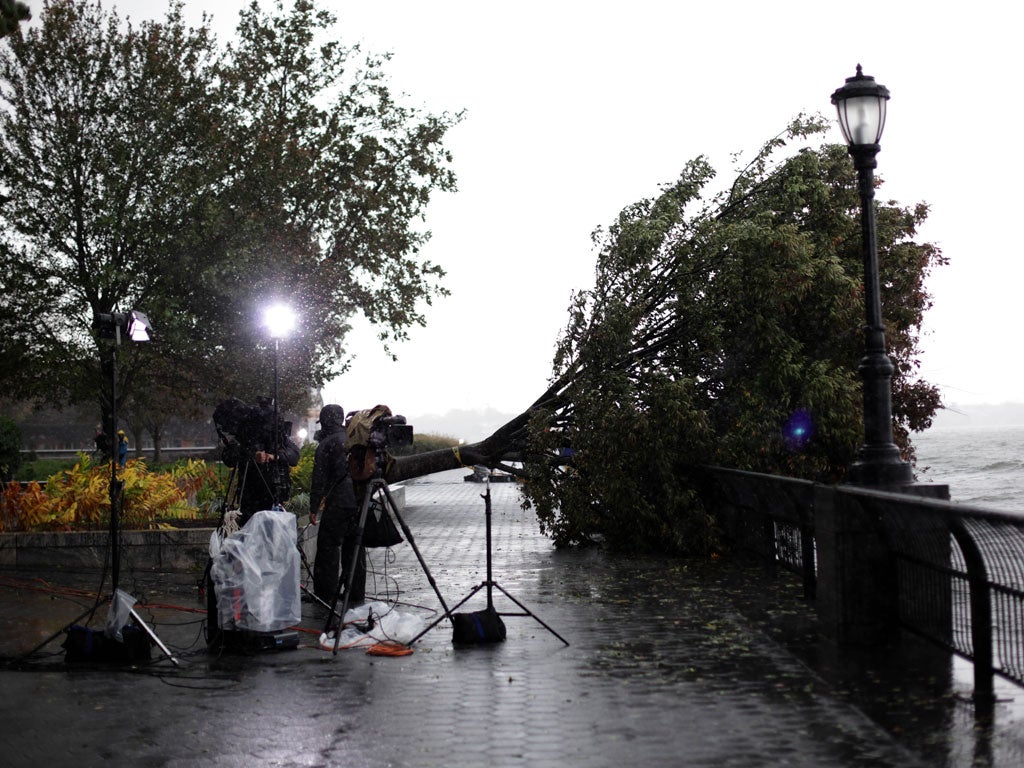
(245, 430)
(251, 427)
(390, 432)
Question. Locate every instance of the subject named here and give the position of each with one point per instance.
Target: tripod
(304, 585)
(490, 583)
(379, 487)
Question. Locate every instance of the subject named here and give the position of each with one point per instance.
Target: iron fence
(958, 570)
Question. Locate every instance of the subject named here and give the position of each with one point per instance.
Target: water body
(982, 465)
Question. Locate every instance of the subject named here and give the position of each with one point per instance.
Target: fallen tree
(505, 449)
(722, 329)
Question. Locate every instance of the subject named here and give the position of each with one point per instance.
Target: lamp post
(861, 104)
(137, 326)
(279, 320)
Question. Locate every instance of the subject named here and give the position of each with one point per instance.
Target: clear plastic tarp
(255, 574)
(120, 611)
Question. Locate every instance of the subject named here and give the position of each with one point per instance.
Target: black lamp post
(137, 326)
(861, 106)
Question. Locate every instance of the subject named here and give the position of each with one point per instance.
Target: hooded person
(337, 522)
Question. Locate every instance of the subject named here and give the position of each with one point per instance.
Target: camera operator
(264, 468)
(332, 486)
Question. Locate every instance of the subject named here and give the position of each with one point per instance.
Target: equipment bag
(380, 530)
(92, 645)
(359, 424)
(483, 626)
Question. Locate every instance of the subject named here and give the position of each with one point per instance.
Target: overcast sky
(577, 109)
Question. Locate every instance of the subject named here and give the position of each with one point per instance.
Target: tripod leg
(412, 543)
(448, 615)
(201, 585)
(66, 628)
(153, 637)
(528, 612)
(309, 572)
(299, 541)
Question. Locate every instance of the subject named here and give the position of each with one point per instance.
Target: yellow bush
(79, 498)
(23, 507)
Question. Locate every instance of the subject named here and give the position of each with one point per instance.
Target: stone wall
(184, 549)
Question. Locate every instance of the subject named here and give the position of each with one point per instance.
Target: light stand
(861, 105)
(279, 320)
(277, 409)
(137, 327)
(490, 583)
(110, 325)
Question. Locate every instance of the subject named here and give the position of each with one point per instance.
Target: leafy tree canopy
(145, 166)
(11, 12)
(724, 328)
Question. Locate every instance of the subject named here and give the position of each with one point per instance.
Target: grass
(42, 469)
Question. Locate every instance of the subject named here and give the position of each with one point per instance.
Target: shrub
(302, 473)
(79, 498)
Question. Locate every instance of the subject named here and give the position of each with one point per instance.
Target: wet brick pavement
(669, 664)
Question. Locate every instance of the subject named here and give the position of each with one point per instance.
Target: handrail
(765, 513)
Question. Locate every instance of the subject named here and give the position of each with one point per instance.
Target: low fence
(171, 453)
(875, 561)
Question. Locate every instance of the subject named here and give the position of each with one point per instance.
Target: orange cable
(389, 649)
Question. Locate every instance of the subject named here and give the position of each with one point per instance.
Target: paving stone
(663, 668)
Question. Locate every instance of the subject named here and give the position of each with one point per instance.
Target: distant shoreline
(965, 416)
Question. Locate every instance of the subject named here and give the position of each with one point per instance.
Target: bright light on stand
(138, 326)
(280, 320)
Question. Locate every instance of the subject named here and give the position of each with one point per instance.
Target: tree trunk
(157, 433)
(507, 443)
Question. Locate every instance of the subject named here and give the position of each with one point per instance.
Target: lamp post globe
(861, 107)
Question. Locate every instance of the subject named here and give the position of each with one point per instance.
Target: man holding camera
(265, 468)
(332, 487)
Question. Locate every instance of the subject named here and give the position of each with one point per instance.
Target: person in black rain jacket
(332, 487)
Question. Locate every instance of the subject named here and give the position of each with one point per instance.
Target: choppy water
(983, 466)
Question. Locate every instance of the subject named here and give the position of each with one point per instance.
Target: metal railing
(959, 570)
(961, 578)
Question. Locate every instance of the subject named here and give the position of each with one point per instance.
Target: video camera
(251, 427)
(390, 432)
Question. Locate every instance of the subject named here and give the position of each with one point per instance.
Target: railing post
(981, 619)
(856, 576)
(808, 560)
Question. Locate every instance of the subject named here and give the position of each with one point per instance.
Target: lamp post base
(882, 469)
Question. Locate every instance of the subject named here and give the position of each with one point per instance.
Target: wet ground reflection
(919, 694)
